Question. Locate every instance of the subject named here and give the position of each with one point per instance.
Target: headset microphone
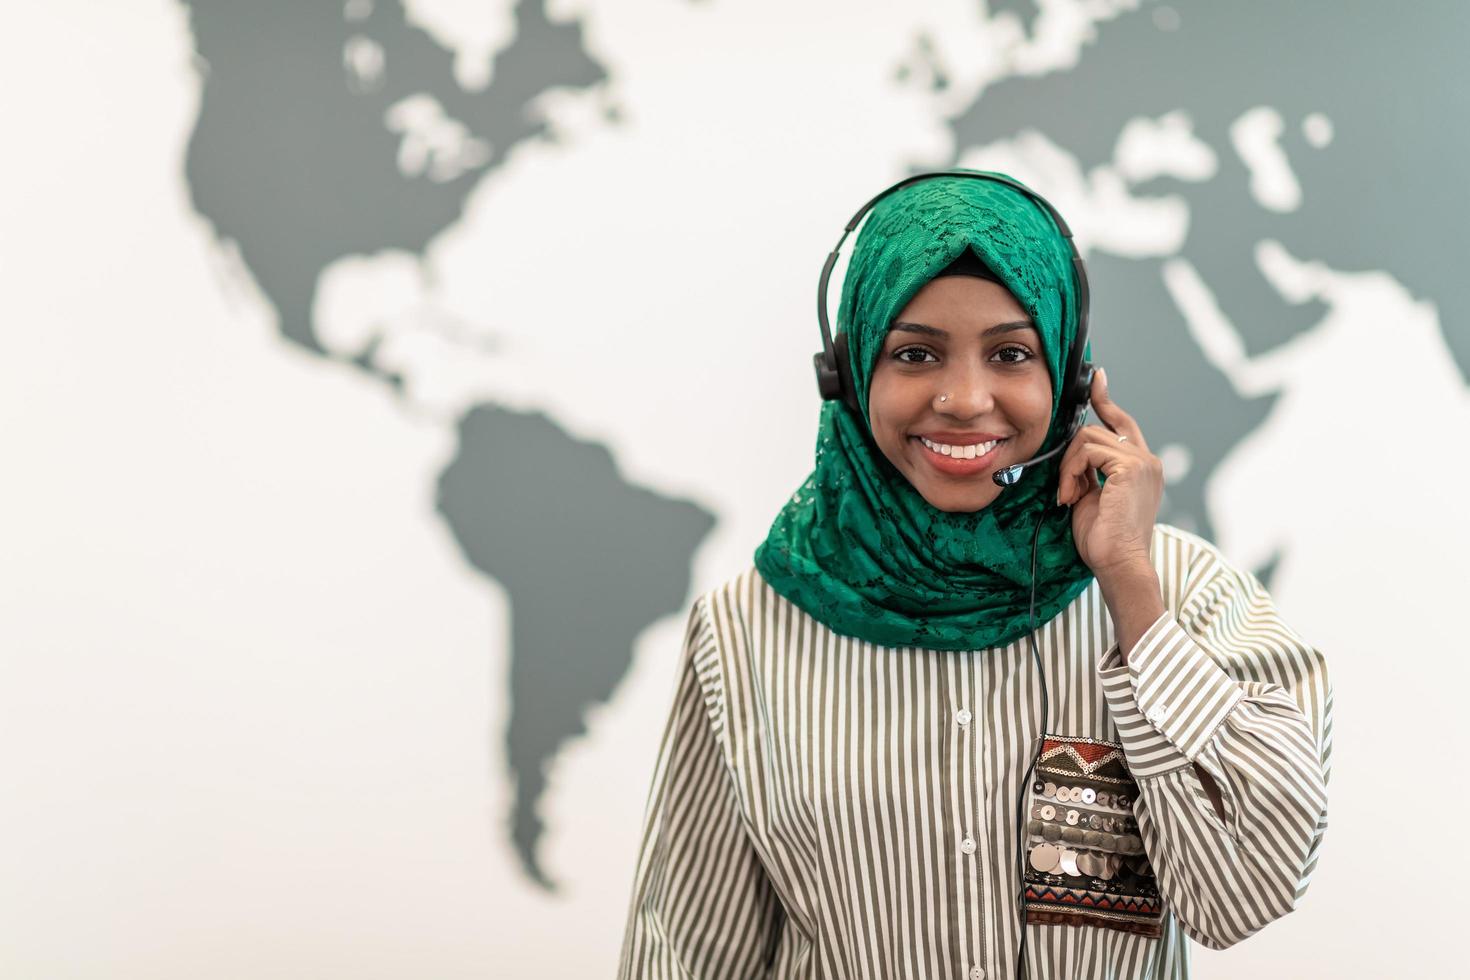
(1009, 476)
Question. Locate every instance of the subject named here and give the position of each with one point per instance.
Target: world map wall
(295, 159)
(546, 267)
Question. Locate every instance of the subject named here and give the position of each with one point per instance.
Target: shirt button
(967, 845)
(962, 716)
(1157, 712)
(976, 973)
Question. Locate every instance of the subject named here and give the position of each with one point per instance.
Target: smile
(960, 460)
(961, 452)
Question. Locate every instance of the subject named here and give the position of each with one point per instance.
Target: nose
(963, 394)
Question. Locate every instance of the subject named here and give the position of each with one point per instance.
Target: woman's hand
(1112, 523)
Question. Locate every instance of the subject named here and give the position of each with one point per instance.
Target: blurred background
(384, 379)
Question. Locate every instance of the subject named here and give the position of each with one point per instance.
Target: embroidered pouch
(1085, 862)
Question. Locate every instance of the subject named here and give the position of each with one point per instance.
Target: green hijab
(857, 547)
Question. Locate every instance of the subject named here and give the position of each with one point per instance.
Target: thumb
(1100, 400)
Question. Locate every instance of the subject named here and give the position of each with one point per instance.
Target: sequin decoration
(1086, 862)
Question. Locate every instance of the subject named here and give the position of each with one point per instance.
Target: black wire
(1021, 808)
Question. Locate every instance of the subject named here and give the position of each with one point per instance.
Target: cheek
(889, 398)
(1041, 404)
(891, 408)
(1033, 400)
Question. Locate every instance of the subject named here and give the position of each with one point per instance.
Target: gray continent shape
(588, 562)
(299, 170)
(1375, 197)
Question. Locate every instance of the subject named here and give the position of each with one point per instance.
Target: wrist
(1135, 601)
(1127, 572)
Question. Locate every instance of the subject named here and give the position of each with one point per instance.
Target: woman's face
(968, 338)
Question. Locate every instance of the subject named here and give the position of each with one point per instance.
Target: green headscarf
(857, 547)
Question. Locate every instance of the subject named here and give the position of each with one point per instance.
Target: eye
(1025, 355)
(900, 355)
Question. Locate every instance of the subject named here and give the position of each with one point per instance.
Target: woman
(875, 766)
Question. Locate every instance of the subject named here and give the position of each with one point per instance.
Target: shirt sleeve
(1226, 685)
(702, 905)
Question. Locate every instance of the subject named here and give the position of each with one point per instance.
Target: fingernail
(1103, 374)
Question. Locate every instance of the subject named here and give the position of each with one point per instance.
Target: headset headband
(828, 356)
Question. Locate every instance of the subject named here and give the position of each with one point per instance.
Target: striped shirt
(823, 807)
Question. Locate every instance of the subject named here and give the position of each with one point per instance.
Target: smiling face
(968, 338)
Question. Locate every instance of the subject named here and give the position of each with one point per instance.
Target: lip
(950, 466)
(951, 438)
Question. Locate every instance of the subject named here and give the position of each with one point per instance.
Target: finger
(1072, 487)
(1104, 436)
(1068, 486)
(1099, 436)
(1087, 482)
(1077, 486)
(1082, 457)
(1111, 414)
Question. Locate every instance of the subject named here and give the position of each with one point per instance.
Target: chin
(969, 509)
(954, 503)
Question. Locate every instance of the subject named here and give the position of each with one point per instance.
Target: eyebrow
(929, 331)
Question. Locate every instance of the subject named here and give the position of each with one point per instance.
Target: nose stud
(944, 398)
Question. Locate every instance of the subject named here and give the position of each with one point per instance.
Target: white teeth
(961, 452)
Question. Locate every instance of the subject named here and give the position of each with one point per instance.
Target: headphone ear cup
(1084, 382)
(844, 373)
(1080, 393)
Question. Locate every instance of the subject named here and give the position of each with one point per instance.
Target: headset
(835, 382)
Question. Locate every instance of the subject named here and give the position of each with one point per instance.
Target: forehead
(960, 305)
(961, 296)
